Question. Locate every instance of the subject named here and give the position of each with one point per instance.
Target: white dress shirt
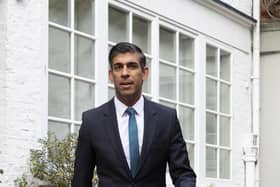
(123, 118)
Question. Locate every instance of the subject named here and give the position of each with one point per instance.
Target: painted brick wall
(23, 81)
(3, 32)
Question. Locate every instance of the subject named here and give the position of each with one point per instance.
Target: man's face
(127, 75)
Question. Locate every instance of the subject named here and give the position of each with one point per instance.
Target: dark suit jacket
(99, 145)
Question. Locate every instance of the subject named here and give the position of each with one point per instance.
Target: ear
(111, 75)
(145, 73)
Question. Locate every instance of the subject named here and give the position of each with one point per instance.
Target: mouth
(126, 85)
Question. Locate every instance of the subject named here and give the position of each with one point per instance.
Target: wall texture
(3, 34)
(23, 64)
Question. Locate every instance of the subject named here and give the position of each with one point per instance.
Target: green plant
(54, 162)
(21, 181)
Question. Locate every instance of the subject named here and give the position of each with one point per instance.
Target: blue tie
(133, 140)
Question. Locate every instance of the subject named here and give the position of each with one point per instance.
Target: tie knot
(130, 111)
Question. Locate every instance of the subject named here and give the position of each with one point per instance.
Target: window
(128, 26)
(175, 66)
(71, 63)
(176, 80)
(170, 50)
(218, 113)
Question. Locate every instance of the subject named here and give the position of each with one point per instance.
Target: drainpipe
(250, 159)
(251, 148)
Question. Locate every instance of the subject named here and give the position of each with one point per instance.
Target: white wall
(3, 31)
(270, 102)
(270, 41)
(244, 6)
(270, 120)
(25, 83)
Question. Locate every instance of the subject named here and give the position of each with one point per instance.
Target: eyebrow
(125, 63)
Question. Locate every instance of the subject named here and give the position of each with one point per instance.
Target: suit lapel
(150, 123)
(111, 125)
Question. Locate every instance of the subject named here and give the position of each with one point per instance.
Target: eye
(132, 65)
(117, 67)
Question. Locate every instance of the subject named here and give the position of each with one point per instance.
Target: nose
(124, 71)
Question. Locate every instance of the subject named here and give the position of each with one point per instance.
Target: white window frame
(218, 113)
(131, 12)
(178, 30)
(70, 29)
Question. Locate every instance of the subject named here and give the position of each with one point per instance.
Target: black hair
(126, 47)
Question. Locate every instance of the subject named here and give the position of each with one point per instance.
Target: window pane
(141, 34)
(118, 28)
(59, 50)
(225, 65)
(190, 148)
(224, 164)
(224, 131)
(60, 130)
(59, 96)
(84, 16)
(84, 98)
(77, 129)
(58, 11)
(211, 128)
(186, 88)
(147, 85)
(211, 162)
(167, 81)
(186, 53)
(211, 60)
(211, 94)
(171, 105)
(224, 98)
(186, 116)
(167, 45)
(84, 57)
(111, 92)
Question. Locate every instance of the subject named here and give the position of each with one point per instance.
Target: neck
(129, 100)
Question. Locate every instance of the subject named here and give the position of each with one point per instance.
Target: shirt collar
(121, 108)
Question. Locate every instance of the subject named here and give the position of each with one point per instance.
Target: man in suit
(130, 139)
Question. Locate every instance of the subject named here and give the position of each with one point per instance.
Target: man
(130, 139)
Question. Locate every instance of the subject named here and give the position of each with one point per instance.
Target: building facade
(203, 61)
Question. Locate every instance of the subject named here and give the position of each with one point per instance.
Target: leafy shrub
(54, 162)
(21, 181)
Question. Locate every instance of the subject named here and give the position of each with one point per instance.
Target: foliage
(54, 162)
(21, 181)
